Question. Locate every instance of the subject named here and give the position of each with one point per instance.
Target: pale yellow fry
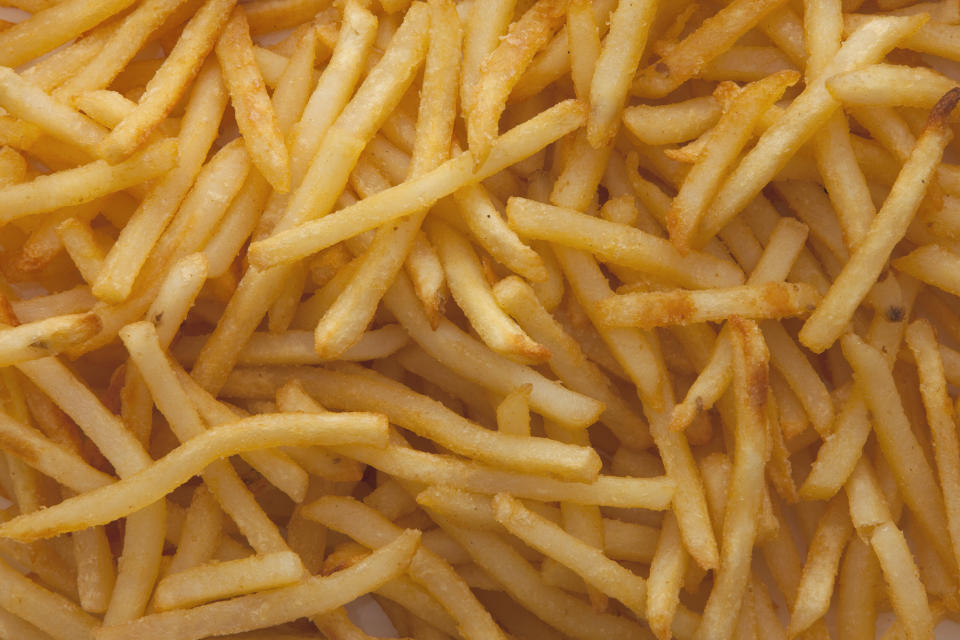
(844, 180)
(43, 338)
(313, 596)
(626, 39)
(803, 379)
(492, 233)
(296, 347)
(177, 294)
(218, 581)
(325, 179)
(171, 399)
(587, 561)
(201, 534)
(474, 296)
(96, 575)
(255, 115)
(483, 28)
(747, 64)
(169, 83)
(333, 87)
(372, 529)
(673, 122)
(15, 627)
(143, 488)
(23, 99)
(502, 68)
(890, 85)
(679, 306)
(82, 246)
(85, 183)
(276, 15)
(46, 610)
(907, 593)
(932, 264)
(805, 115)
(619, 243)
(900, 447)
(823, 559)
(723, 145)
(123, 45)
(513, 413)
(940, 416)
(666, 577)
(856, 592)
(356, 387)
(356, 306)
(784, 245)
(568, 361)
(474, 361)
(199, 127)
(584, 39)
(48, 29)
(742, 513)
(369, 213)
(826, 323)
(48, 457)
(139, 563)
(715, 35)
(574, 617)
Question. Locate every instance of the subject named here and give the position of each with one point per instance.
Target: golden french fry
(822, 328)
(255, 115)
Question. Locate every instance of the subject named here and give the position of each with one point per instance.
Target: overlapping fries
(542, 319)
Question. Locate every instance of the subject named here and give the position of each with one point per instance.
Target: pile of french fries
(525, 318)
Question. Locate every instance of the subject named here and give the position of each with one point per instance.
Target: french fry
(821, 330)
(816, 584)
(47, 611)
(643, 251)
(255, 115)
(434, 574)
(44, 338)
(50, 458)
(931, 264)
(501, 69)
(84, 184)
(169, 83)
(900, 448)
(24, 100)
(568, 361)
(128, 38)
(666, 575)
(53, 26)
(815, 105)
(654, 309)
(204, 583)
(626, 38)
(686, 59)
(907, 595)
(741, 516)
(922, 341)
(726, 139)
(871, 86)
(207, 102)
(310, 597)
(141, 489)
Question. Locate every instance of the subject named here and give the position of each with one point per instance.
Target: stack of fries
(527, 318)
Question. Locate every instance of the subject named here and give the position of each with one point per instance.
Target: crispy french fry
(821, 328)
(169, 83)
(255, 115)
